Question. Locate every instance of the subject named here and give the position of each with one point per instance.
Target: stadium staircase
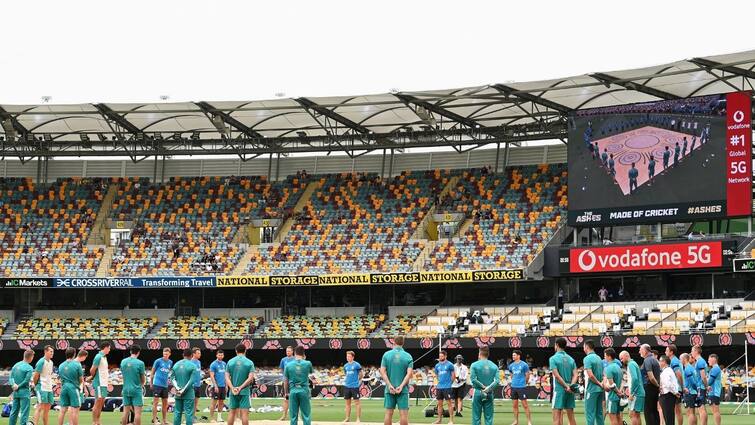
(419, 263)
(421, 232)
(240, 268)
(97, 235)
(103, 269)
(10, 331)
(535, 268)
(300, 204)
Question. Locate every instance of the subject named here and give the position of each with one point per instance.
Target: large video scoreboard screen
(667, 161)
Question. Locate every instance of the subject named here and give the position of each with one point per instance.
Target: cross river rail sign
(744, 265)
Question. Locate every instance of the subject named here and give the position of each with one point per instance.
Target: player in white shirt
(459, 385)
(42, 381)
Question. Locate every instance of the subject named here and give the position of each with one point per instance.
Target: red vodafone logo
(646, 257)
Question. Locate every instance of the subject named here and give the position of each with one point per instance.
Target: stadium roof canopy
(464, 118)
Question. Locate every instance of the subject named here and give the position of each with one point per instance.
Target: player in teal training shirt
(564, 370)
(296, 384)
(593, 369)
(134, 376)
(239, 374)
(613, 377)
(71, 377)
(636, 390)
(182, 375)
(396, 370)
(20, 377)
(714, 387)
(484, 378)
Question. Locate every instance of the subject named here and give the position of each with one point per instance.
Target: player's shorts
(396, 401)
(459, 392)
(351, 393)
(100, 391)
(612, 406)
(160, 392)
(135, 400)
(518, 394)
(691, 401)
(714, 400)
(562, 400)
(197, 392)
(45, 397)
(238, 401)
(70, 397)
(702, 397)
(219, 394)
(637, 405)
(443, 393)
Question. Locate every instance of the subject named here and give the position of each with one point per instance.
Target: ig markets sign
(651, 257)
(744, 265)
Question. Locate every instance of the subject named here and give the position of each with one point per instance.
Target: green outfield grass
(331, 410)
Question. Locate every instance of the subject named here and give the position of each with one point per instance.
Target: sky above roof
(138, 51)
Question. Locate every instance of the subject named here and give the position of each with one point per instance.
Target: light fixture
(47, 137)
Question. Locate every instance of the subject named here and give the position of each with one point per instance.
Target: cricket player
(666, 157)
(691, 401)
(484, 377)
(353, 377)
(445, 372)
(701, 369)
(564, 370)
(196, 354)
(239, 374)
(182, 376)
(613, 378)
(217, 376)
(71, 376)
(296, 384)
(42, 382)
(160, 371)
(593, 369)
(633, 174)
(101, 381)
(134, 377)
(520, 375)
(651, 167)
(635, 390)
(19, 381)
(461, 372)
(714, 387)
(676, 366)
(396, 370)
(81, 357)
(284, 361)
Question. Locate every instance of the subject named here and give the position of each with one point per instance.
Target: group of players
(657, 388)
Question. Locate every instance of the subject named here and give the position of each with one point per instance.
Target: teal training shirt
(593, 363)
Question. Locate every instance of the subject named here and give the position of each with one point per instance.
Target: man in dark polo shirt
(651, 375)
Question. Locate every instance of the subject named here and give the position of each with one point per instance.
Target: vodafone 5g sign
(691, 255)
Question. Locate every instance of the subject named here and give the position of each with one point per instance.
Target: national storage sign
(649, 257)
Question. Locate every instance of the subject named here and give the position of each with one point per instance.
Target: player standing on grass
(353, 377)
(183, 375)
(396, 370)
(71, 376)
(459, 387)
(160, 371)
(134, 377)
(520, 375)
(485, 380)
(564, 370)
(701, 369)
(284, 361)
(81, 357)
(42, 382)
(714, 388)
(593, 369)
(445, 372)
(20, 378)
(613, 378)
(676, 366)
(296, 384)
(691, 402)
(101, 380)
(635, 390)
(239, 374)
(196, 354)
(217, 375)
